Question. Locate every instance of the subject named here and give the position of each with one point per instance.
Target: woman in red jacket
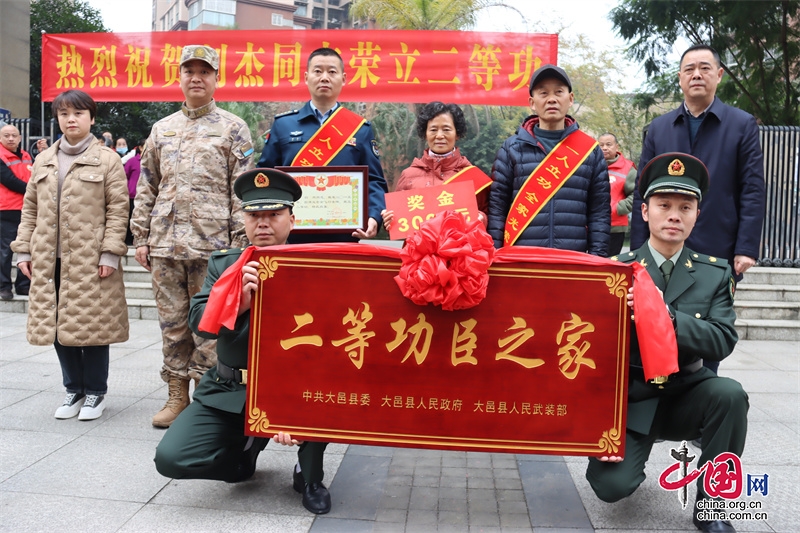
(440, 125)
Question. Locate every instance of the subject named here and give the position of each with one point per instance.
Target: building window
(212, 12)
(301, 11)
(170, 18)
(279, 20)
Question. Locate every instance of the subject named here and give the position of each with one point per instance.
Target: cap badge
(676, 168)
(199, 52)
(261, 180)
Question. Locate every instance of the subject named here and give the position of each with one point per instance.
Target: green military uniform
(694, 402)
(207, 440)
(690, 404)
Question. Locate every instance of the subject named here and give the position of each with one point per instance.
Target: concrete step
(143, 309)
(767, 293)
(128, 259)
(767, 310)
(768, 330)
(776, 276)
(135, 274)
(138, 290)
(18, 305)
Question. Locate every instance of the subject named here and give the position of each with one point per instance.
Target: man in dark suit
(207, 439)
(698, 292)
(725, 139)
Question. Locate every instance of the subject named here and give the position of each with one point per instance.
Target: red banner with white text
(269, 65)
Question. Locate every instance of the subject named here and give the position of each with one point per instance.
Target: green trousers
(206, 443)
(714, 410)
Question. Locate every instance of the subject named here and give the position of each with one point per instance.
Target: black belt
(239, 375)
(686, 370)
(691, 368)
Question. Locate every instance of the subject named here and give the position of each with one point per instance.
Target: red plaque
(539, 366)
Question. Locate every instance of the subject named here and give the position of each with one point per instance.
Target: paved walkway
(71, 476)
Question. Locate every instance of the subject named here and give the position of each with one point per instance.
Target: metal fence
(780, 237)
(30, 130)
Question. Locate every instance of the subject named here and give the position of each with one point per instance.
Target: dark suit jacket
(231, 345)
(732, 212)
(700, 296)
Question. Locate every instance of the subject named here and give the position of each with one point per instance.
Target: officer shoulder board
(627, 257)
(709, 260)
(226, 252)
(716, 262)
(286, 113)
(276, 117)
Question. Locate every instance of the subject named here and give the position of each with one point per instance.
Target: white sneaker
(92, 407)
(71, 406)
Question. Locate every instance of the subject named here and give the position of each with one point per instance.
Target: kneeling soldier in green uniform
(698, 291)
(207, 439)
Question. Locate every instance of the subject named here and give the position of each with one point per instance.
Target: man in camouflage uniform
(185, 209)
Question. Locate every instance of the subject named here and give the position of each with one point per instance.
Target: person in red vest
(622, 178)
(15, 171)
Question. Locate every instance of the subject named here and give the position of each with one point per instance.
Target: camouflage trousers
(174, 283)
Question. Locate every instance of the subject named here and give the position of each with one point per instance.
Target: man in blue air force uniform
(291, 131)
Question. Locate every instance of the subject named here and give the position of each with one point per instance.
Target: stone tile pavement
(98, 476)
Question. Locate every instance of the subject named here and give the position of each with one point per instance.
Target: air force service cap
(203, 53)
(266, 189)
(674, 173)
(547, 72)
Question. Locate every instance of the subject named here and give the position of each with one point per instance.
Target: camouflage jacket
(185, 207)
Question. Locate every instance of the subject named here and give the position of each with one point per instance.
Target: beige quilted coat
(94, 214)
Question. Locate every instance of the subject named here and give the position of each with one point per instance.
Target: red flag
(656, 334)
(222, 307)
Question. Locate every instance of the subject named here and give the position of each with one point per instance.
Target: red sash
(545, 181)
(472, 173)
(329, 139)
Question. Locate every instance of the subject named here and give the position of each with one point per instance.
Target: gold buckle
(244, 376)
(659, 380)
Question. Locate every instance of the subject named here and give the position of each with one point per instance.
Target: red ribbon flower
(446, 263)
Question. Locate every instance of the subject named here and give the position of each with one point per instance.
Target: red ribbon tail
(222, 307)
(657, 343)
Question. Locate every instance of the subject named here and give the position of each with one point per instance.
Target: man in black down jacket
(577, 217)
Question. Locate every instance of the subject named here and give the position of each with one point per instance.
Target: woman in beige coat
(70, 239)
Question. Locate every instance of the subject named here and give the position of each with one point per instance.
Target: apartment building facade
(179, 15)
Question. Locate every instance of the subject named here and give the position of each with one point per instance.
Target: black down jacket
(577, 217)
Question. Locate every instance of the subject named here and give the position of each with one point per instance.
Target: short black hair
(433, 110)
(608, 134)
(702, 46)
(74, 98)
(325, 52)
